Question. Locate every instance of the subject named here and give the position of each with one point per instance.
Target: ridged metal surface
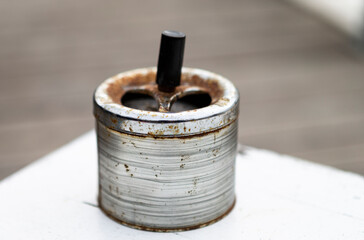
(166, 183)
(164, 171)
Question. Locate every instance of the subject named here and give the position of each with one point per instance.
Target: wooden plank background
(301, 82)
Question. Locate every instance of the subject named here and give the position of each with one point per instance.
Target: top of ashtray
(194, 99)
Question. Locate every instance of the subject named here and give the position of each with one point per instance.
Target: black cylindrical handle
(170, 60)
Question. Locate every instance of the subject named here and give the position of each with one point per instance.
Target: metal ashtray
(166, 158)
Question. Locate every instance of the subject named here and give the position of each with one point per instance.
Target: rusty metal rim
(178, 136)
(165, 124)
(161, 129)
(98, 109)
(203, 133)
(229, 99)
(150, 229)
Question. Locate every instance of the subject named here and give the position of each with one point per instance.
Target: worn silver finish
(166, 171)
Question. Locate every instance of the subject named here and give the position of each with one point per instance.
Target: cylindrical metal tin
(166, 171)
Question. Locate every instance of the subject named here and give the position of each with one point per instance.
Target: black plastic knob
(170, 60)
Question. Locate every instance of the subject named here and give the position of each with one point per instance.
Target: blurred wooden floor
(300, 81)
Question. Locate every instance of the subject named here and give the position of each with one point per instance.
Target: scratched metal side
(166, 183)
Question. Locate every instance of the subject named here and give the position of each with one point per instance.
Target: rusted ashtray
(166, 159)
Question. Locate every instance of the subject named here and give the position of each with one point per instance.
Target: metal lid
(163, 122)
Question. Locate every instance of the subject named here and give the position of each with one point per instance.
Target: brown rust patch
(137, 82)
(211, 86)
(126, 167)
(117, 89)
(185, 157)
(151, 229)
(114, 121)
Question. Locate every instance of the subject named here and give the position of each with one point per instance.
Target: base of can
(144, 228)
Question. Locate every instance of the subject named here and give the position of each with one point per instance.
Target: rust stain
(110, 214)
(159, 134)
(117, 89)
(211, 86)
(120, 86)
(126, 167)
(222, 102)
(185, 157)
(114, 121)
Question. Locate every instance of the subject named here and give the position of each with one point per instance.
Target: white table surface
(278, 197)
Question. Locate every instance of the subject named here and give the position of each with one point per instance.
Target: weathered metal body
(164, 171)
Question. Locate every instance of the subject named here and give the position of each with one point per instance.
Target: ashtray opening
(144, 101)
(191, 102)
(141, 101)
